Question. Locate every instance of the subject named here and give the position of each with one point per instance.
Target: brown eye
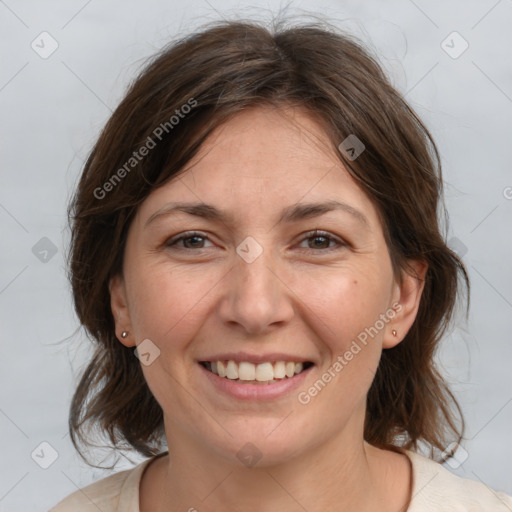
(321, 240)
(190, 241)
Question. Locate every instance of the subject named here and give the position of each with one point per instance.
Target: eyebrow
(290, 214)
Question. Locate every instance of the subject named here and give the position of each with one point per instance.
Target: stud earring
(124, 334)
(394, 332)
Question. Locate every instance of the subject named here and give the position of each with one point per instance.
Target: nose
(257, 299)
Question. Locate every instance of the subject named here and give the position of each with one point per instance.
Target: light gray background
(54, 108)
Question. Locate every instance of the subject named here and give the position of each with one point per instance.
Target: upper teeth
(260, 372)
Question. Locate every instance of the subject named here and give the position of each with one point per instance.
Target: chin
(260, 443)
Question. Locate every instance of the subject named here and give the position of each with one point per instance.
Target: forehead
(267, 144)
(262, 160)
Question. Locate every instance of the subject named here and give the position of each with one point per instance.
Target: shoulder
(117, 492)
(437, 489)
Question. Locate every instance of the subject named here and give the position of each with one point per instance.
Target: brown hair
(219, 71)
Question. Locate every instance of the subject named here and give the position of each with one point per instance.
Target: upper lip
(239, 357)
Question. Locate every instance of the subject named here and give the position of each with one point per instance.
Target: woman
(256, 251)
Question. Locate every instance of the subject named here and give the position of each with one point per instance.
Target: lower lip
(255, 391)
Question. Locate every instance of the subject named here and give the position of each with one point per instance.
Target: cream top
(435, 489)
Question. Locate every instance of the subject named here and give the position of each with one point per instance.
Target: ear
(120, 311)
(405, 302)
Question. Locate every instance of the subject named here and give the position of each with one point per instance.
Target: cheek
(345, 303)
(351, 309)
(167, 303)
(169, 306)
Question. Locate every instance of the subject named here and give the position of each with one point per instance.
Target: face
(264, 282)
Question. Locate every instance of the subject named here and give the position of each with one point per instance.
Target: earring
(394, 332)
(124, 334)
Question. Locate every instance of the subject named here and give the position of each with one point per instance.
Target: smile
(262, 373)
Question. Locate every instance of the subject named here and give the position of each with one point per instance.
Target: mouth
(265, 373)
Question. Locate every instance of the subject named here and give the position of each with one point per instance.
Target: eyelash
(171, 243)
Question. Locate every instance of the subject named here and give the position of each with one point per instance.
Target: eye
(321, 240)
(192, 240)
(195, 240)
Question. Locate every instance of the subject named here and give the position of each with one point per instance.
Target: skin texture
(199, 298)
